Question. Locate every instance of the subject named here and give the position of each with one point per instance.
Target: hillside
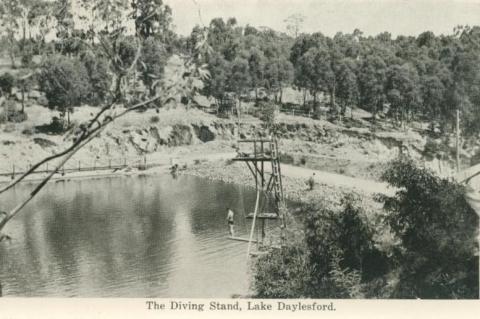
(317, 144)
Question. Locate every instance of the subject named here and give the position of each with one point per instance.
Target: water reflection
(127, 237)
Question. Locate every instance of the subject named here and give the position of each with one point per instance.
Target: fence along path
(140, 162)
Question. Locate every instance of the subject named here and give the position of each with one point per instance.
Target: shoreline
(329, 188)
(295, 188)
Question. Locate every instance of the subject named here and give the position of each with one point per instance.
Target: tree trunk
(23, 97)
(238, 118)
(281, 96)
(24, 36)
(304, 98)
(333, 105)
(11, 53)
(333, 109)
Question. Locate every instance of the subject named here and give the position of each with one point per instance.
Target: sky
(406, 17)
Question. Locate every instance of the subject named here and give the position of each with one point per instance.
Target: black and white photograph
(240, 150)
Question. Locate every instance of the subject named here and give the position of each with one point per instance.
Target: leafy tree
(436, 228)
(10, 11)
(41, 18)
(278, 75)
(99, 77)
(372, 79)
(317, 71)
(433, 93)
(294, 24)
(153, 61)
(403, 89)
(347, 88)
(152, 18)
(304, 77)
(102, 17)
(239, 79)
(216, 85)
(256, 68)
(65, 82)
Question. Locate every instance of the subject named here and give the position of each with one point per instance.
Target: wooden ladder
(276, 173)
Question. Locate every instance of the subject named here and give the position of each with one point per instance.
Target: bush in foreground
(436, 229)
(331, 261)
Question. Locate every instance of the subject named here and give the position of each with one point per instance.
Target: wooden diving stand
(265, 151)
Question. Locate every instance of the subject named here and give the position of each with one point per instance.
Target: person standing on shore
(230, 215)
(311, 182)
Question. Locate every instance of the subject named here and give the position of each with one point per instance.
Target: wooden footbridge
(263, 152)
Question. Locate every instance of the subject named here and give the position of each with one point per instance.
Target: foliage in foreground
(432, 255)
(437, 229)
(333, 260)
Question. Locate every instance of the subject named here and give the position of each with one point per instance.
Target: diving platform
(263, 216)
(252, 159)
(241, 239)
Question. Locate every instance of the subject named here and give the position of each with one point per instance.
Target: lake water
(127, 237)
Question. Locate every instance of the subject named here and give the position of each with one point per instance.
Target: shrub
(9, 128)
(11, 114)
(154, 119)
(345, 236)
(30, 130)
(282, 273)
(286, 158)
(17, 117)
(436, 228)
(7, 82)
(56, 126)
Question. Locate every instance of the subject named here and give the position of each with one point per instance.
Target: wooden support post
(458, 140)
(256, 176)
(263, 170)
(263, 231)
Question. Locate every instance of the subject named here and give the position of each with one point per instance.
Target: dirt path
(338, 180)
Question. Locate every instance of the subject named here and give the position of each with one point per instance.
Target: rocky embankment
(320, 145)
